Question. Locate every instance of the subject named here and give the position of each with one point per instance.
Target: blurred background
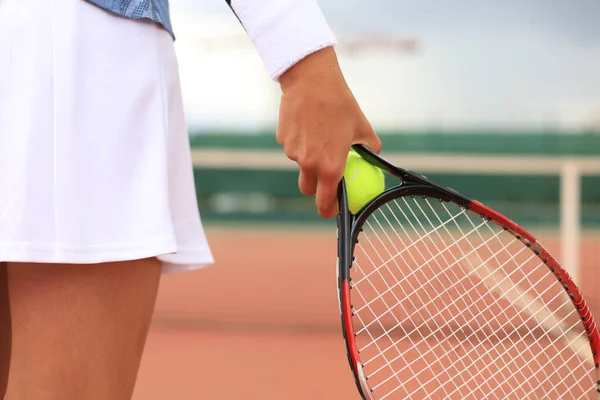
(499, 100)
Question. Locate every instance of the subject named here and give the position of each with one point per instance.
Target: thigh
(5, 330)
(79, 330)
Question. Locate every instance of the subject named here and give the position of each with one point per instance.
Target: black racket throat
(410, 178)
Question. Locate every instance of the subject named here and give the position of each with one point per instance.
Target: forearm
(283, 31)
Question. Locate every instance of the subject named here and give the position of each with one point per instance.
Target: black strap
(234, 13)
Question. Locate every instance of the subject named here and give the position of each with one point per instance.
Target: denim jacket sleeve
(155, 10)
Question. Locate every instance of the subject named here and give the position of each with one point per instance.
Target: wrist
(284, 31)
(312, 69)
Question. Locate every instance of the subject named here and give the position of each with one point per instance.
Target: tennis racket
(442, 297)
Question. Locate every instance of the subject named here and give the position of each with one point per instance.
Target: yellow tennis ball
(364, 182)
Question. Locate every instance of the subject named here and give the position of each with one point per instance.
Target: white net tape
(448, 305)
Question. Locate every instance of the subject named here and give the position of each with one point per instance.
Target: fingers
(367, 136)
(319, 177)
(322, 168)
(375, 143)
(326, 199)
(307, 182)
(327, 185)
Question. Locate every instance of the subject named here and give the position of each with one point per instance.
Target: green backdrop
(251, 195)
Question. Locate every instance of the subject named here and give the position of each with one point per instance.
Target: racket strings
(407, 277)
(430, 300)
(527, 276)
(387, 332)
(376, 341)
(387, 363)
(373, 340)
(547, 316)
(408, 248)
(529, 303)
(437, 330)
(448, 305)
(502, 373)
(469, 298)
(494, 257)
(438, 265)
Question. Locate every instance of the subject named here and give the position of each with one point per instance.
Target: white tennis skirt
(95, 160)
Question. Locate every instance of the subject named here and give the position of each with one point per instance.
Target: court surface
(263, 322)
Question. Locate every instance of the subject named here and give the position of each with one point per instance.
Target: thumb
(367, 136)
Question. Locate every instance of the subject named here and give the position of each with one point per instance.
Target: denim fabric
(155, 10)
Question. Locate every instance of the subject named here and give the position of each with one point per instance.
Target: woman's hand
(319, 121)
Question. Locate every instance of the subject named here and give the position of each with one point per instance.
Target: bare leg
(79, 330)
(5, 331)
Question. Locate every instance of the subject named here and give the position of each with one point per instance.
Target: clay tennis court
(263, 322)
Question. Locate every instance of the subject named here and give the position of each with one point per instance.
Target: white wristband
(284, 31)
